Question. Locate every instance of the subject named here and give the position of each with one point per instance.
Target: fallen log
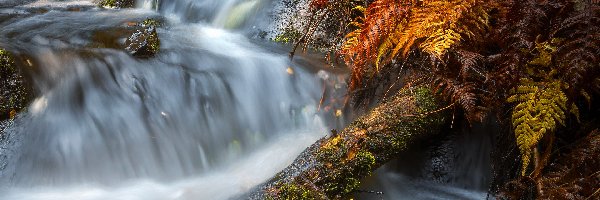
(332, 167)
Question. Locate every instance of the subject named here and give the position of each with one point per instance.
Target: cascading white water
(221, 14)
(209, 117)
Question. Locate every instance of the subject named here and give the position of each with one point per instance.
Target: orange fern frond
(318, 4)
(391, 28)
(462, 93)
(361, 47)
(441, 24)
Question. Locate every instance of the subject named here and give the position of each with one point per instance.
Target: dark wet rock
(144, 42)
(139, 39)
(116, 3)
(111, 38)
(14, 92)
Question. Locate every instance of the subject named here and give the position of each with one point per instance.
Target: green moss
(428, 105)
(154, 42)
(341, 187)
(117, 3)
(364, 161)
(14, 94)
(288, 35)
(294, 192)
(108, 3)
(332, 151)
(425, 100)
(152, 22)
(344, 180)
(7, 62)
(351, 185)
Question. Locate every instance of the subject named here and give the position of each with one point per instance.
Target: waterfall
(211, 116)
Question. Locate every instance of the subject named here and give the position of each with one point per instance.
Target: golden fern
(440, 24)
(540, 106)
(439, 41)
(393, 26)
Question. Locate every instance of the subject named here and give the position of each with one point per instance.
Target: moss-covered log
(332, 167)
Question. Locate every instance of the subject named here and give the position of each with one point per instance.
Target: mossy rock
(141, 38)
(144, 42)
(117, 3)
(14, 92)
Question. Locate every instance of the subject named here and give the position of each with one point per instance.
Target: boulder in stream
(14, 92)
(144, 42)
(116, 3)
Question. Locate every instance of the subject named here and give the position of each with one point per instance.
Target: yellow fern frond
(439, 41)
(360, 8)
(540, 106)
(441, 24)
(544, 53)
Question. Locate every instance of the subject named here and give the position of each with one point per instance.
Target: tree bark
(332, 167)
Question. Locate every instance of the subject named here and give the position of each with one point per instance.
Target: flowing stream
(211, 116)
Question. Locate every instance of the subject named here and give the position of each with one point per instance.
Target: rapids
(210, 116)
(214, 114)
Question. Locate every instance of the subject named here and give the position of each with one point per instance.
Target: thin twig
(322, 97)
(430, 112)
(596, 192)
(307, 33)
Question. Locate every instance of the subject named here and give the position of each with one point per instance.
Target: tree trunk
(332, 167)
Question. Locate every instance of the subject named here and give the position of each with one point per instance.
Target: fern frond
(440, 41)
(578, 55)
(462, 93)
(392, 27)
(540, 106)
(362, 45)
(441, 24)
(471, 64)
(519, 24)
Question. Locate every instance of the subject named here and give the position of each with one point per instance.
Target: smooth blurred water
(209, 117)
(453, 165)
